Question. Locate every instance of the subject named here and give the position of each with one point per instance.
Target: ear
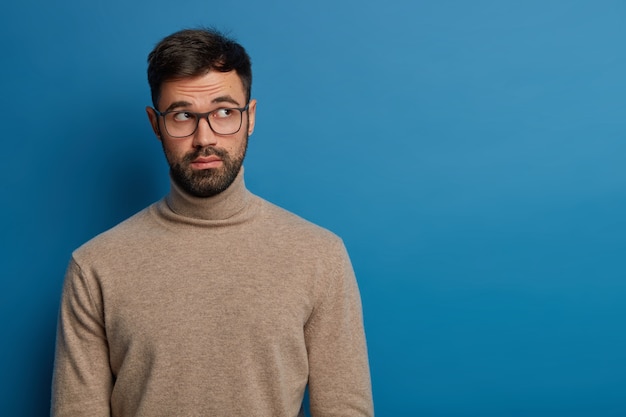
(251, 116)
(154, 121)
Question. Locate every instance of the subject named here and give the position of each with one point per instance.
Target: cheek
(174, 151)
(176, 146)
(239, 148)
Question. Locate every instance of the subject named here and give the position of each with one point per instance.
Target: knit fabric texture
(220, 306)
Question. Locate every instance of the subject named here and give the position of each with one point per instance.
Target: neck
(218, 207)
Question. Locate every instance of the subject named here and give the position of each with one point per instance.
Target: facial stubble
(207, 182)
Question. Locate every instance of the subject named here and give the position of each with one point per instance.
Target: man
(212, 301)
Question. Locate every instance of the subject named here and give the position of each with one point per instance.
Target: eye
(222, 113)
(182, 116)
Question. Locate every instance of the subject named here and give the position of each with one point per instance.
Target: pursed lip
(204, 162)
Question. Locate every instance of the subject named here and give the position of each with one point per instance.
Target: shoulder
(293, 228)
(118, 237)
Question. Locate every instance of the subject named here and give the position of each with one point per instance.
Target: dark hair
(193, 52)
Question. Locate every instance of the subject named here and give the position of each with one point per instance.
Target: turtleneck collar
(219, 207)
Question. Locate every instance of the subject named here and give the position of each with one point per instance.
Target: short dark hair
(193, 52)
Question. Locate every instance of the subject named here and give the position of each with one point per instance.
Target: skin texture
(205, 163)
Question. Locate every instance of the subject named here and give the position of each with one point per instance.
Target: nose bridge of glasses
(204, 116)
(207, 118)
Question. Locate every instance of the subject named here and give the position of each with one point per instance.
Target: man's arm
(82, 379)
(339, 378)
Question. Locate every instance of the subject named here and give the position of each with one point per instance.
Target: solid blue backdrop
(470, 153)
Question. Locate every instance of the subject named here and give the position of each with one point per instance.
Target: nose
(204, 135)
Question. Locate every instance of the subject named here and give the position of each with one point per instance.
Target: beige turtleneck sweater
(224, 306)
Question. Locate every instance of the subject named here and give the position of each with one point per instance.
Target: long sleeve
(339, 378)
(82, 380)
(232, 314)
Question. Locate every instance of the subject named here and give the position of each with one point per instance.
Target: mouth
(206, 162)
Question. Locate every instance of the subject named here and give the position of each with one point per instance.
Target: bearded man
(211, 301)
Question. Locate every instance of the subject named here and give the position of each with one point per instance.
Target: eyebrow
(225, 99)
(177, 104)
(220, 99)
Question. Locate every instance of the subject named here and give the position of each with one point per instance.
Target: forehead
(203, 88)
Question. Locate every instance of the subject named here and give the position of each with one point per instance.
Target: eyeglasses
(183, 123)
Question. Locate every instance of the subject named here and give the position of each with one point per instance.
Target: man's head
(193, 52)
(200, 83)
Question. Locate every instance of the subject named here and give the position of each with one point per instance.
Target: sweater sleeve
(339, 378)
(82, 378)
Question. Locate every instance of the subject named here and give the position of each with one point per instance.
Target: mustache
(206, 151)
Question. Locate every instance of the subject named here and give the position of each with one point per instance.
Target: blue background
(470, 153)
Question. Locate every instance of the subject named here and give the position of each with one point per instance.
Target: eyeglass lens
(221, 121)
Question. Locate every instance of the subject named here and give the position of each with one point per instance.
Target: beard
(206, 182)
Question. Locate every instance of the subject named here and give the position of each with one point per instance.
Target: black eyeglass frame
(204, 115)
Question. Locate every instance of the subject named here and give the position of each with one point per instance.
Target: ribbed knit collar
(220, 207)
